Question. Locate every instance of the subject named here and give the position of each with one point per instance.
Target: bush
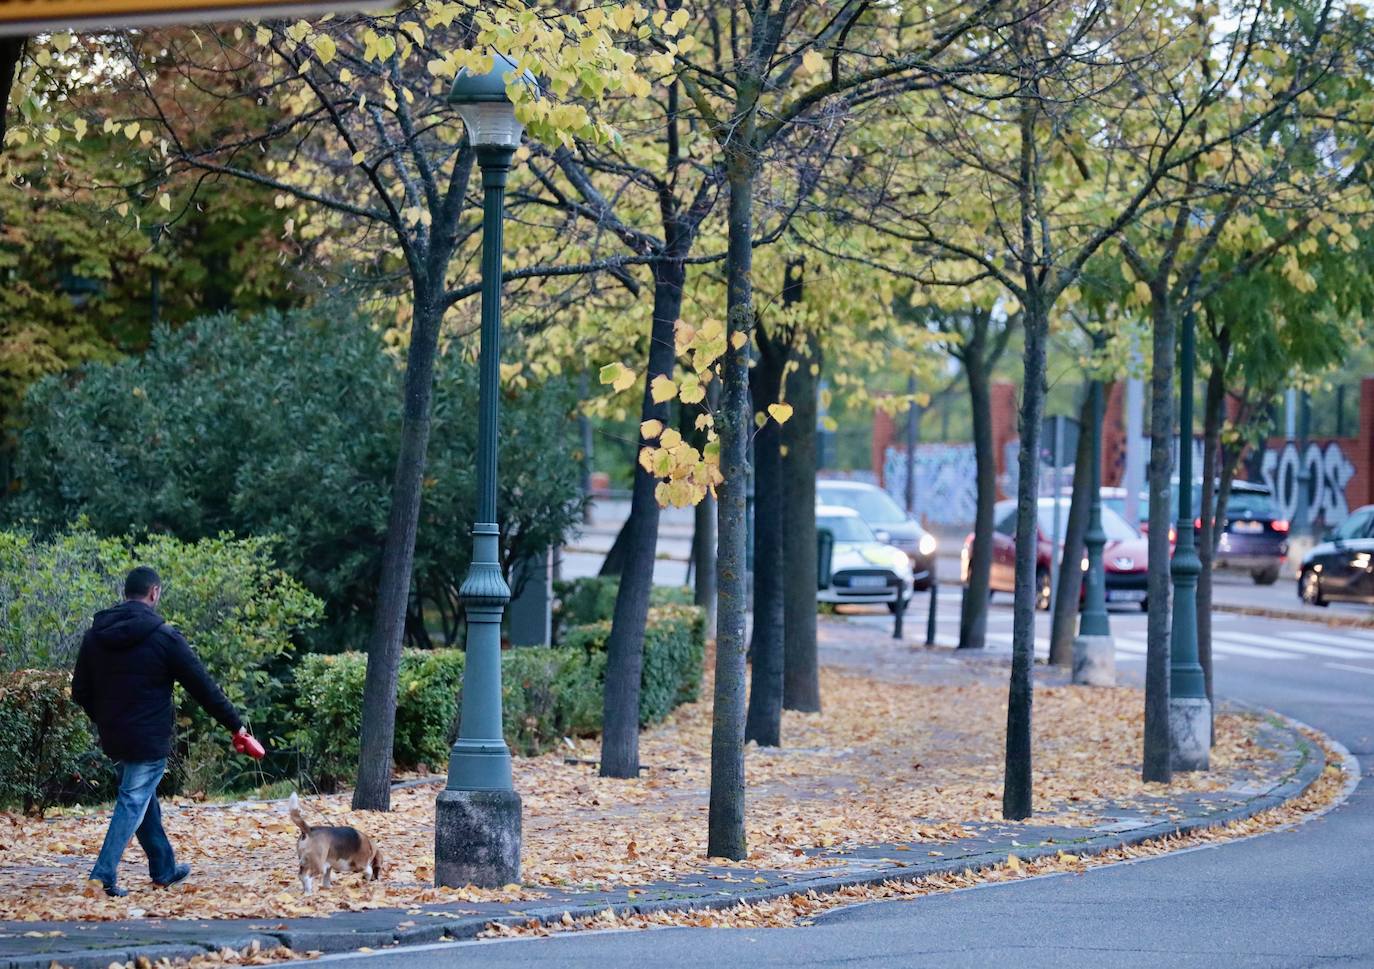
(592, 599)
(546, 694)
(288, 425)
(45, 744)
(674, 650)
(237, 611)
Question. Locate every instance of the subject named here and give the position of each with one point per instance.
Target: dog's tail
(296, 815)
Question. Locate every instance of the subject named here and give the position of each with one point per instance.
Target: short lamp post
(1094, 651)
(1190, 712)
(477, 823)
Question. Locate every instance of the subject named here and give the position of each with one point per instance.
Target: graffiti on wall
(1330, 471)
(946, 481)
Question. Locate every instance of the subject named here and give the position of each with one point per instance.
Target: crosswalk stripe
(1234, 649)
(1347, 642)
(1292, 646)
(1352, 669)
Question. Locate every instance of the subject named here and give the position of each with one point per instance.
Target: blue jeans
(136, 814)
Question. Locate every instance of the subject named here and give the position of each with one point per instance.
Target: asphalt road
(1299, 898)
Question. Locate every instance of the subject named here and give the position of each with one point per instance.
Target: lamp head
(486, 109)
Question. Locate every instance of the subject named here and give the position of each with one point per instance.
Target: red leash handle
(246, 743)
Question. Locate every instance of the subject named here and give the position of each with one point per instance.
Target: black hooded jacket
(123, 680)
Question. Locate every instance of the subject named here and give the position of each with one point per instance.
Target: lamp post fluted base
(1190, 733)
(1094, 661)
(477, 837)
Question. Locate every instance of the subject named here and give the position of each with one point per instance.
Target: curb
(1337, 620)
(346, 932)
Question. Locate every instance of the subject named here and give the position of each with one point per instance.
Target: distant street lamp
(1094, 651)
(477, 824)
(1190, 712)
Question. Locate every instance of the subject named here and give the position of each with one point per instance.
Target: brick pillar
(1360, 491)
(1114, 435)
(1004, 424)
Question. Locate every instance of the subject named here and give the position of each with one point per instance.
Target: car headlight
(927, 544)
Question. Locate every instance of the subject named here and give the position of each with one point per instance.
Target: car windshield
(846, 528)
(1116, 527)
(872, 504)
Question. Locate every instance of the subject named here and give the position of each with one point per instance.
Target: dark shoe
(179, 874)
(114, 891)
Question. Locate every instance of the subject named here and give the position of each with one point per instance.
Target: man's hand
(246, 743)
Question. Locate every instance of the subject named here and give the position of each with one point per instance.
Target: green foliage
(45, 745)
(592, 599)
(289, 425)
(237, 611)
(546, 694)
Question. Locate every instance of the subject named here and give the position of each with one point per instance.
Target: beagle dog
(322, 850)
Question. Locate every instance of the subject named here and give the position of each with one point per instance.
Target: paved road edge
(346, 932)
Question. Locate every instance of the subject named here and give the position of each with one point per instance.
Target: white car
(862, 569)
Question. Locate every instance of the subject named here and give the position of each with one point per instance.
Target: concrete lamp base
(1094, 661)
(1190, 733)
(477, 839)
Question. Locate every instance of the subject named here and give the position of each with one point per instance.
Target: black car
(1342, 566)
(889, 523)
(1253, 538)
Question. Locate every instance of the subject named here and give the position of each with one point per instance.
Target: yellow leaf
(650, 429)
(738, 339)
(79, 126)
(165, 201)
(1013, 863)
(813, 62)
(646, 458)
(662, 389)
(780, 412)
(325, 48)
(670, 438)
(358, 157)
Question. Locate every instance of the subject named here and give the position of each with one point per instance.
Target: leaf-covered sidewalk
(900, 775)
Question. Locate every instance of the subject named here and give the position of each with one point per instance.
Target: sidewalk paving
(1290, 768)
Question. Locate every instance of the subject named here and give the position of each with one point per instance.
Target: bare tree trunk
(378, 733)
(1155, 761)
(11, 52)
(704, 561)
(801, 685)
(1062, 625)
(1210, 508)
(973, 612)
(725, 824)
(763, 721)
(614, 562)
(1017, 783)
(625, 647)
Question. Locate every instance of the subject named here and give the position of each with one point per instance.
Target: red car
(1125, 556)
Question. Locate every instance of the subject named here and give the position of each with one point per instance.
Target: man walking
(129, 660)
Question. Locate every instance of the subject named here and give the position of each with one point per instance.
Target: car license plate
(1125, 595)
(1247, 526)
(868, 582)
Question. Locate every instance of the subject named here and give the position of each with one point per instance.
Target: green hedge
(547, 694)
(46, 747)
(592, 599)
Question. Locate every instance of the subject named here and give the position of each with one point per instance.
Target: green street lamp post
(477, 823)
(1190, 712)
(1094, 651)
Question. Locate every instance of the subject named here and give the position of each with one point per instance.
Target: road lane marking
(1347, 642)
(1289, 645)
(1353, 669)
